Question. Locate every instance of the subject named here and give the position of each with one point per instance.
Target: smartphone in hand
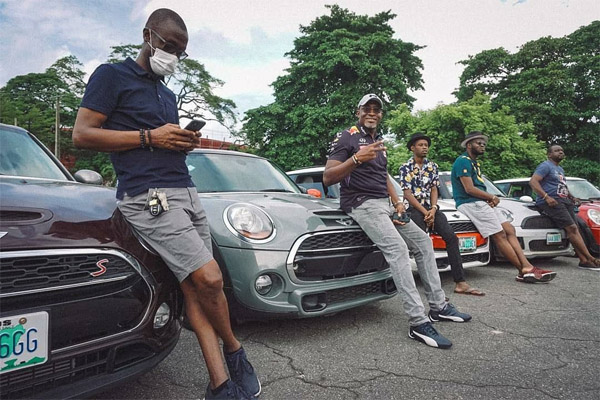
(404, 217)
(195, 125)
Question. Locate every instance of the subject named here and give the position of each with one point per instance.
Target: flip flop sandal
(471, 291)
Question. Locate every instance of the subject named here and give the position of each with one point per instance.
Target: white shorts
(488, 220)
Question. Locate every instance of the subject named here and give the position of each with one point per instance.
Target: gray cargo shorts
(181, 235)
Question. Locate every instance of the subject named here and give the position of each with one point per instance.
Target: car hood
(293, 215)
(519, 209)
(37, 213)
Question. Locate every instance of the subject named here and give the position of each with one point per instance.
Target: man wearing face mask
(128, 111)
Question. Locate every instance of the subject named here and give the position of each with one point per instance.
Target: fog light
(263, 284)
(162, 316)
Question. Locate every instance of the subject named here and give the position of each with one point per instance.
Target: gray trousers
(374, 217)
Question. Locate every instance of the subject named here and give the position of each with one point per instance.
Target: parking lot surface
(525, 342)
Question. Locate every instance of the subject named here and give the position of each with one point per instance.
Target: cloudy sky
(243, 42)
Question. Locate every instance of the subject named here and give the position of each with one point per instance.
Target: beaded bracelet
(142, 138)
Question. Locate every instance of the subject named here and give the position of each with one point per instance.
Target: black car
(83, 303)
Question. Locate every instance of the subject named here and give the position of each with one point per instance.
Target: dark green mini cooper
(283, 252)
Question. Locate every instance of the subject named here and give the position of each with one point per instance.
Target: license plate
(553, 238)
(467, 243)
(23, 341)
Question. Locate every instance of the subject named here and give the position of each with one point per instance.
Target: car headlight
(507, 214)
(594, 215)
(249, 223)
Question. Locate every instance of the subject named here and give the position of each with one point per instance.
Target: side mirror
(314, 193)
(88, 176)
(526, 198)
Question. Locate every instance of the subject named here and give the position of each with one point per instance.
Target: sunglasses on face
(169, 47)
(371, 109)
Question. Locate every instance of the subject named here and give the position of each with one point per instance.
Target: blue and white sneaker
(448, 313)
(242, 372)
(427, 334)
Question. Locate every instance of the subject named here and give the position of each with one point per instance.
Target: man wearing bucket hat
(420, 181)
(472, 199)
(358, 160)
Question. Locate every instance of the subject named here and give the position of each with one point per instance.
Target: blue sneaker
(427, 334)
(231, 391)
(448, 313)
(242, 372)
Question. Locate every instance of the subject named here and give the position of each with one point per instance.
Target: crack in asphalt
(538, 337)
(299, 372)
(388, 373)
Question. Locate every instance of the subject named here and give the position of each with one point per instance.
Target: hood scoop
(23, 216)
(335, 218)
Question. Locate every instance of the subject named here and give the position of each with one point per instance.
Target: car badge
(102, 270)
(345, 221)
(2, 234)
(456, 215)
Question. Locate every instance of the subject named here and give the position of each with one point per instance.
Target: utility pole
(57, 130)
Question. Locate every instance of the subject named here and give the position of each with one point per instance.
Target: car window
(517, 190)
(235, 173)
(22, 156)
(446, 187)
(583, 189)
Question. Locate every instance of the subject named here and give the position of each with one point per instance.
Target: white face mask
(162, 63)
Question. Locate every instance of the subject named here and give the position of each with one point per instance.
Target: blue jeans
(374, 217)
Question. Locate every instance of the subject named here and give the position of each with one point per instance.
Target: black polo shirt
(132, 98)
(368, 180)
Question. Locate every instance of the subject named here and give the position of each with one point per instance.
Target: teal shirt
(465, 166)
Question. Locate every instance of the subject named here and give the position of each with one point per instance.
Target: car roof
(13, 128)
(515, 180)
(227, 152)
(307, 170)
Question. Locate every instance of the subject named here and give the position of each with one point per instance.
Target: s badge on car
(102, 270)
(2, 234)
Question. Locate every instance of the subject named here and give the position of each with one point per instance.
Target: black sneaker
(448, 313)
(242, 372)
(231, 391)
(427, 334)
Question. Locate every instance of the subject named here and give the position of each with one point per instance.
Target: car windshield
(446, 187)
(218, 172)
(21, 156)
(583, 190)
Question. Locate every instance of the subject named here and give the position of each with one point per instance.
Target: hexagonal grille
(336, 240)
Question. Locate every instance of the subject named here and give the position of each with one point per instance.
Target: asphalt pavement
(525, 341)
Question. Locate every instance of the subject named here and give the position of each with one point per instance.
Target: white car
(538, 236)
(475, 250)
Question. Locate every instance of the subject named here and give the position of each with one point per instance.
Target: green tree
(194, 87)
(554, 83)
(511, 152)
(337, 59)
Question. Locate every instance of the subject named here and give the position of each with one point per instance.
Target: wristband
(436, 207)
(544, 198)
(142, 138)
(396, 203)
(356, 160)
(150, 140)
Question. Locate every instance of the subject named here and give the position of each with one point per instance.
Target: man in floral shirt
(419, 180)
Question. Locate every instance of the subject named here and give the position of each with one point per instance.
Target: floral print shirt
(420, 181)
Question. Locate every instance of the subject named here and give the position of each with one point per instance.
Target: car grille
(19, 274)
(28, 382)
(59, 282)
(331, 255)
(31, 382)
(354, 292)
(336, 240)
(541, 245)
(537, 222)
(459, 227)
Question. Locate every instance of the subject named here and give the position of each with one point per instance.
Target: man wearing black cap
(473, 200)
(419, 180)
(358, 160)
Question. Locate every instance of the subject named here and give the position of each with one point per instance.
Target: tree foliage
(553, 83)
(337, 59)
(511, 152)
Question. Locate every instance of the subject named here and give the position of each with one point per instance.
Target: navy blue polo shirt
(132, 98)
(368, 180)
